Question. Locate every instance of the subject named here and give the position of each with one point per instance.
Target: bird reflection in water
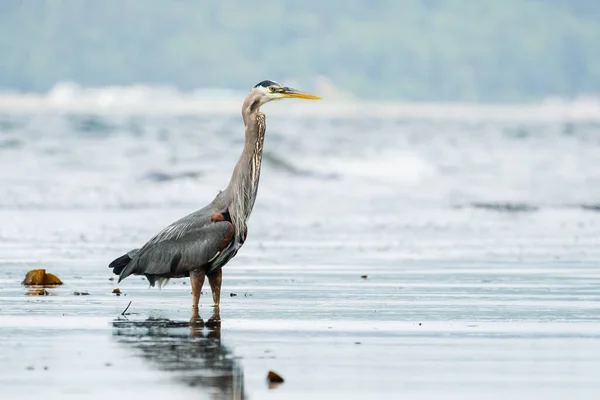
(194, 352)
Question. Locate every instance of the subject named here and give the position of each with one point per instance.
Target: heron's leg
(215, 280)
(197, 280)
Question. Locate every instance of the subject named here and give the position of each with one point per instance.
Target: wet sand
(457, 326)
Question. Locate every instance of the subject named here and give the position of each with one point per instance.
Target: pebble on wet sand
(274, 377)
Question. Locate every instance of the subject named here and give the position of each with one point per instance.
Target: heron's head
(266, 91)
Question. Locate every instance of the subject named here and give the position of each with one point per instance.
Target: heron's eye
(271, 89)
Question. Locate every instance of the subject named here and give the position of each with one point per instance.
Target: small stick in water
(126, 308)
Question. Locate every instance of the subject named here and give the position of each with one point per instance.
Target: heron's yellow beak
(293, 93)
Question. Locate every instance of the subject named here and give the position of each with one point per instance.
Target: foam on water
(152, 99)
(100, 161)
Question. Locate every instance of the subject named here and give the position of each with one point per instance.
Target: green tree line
(473, 50)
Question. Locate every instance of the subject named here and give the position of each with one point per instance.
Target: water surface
(479, 243)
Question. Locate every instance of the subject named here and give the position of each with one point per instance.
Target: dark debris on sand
(506, 207)
(274, 377)
(151, 323)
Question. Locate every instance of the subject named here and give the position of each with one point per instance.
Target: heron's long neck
(243, 186)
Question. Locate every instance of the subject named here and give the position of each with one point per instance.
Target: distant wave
(509, 207)
(91, 124)
(9, 143)
(591, 207)
(98, 160)
(281, 164)
(156, 99)
(503, 207)
(397, 166)
(161, 176)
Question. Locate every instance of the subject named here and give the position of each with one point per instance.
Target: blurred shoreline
(165, 100)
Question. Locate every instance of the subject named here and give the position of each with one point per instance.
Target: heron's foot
(213, 323)
(215, 320)
(196, 321)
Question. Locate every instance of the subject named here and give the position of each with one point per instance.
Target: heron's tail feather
(119, 264)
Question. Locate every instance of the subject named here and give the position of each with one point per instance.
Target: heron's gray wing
(180, 248)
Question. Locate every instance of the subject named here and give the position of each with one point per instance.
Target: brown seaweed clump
(40, 277)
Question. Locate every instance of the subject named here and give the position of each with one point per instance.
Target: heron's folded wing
(175, 252)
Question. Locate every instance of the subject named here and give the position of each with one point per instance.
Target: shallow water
(480, 243)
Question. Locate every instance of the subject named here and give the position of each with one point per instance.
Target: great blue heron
(201, 243)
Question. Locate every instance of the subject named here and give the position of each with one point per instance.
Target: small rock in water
(117, 291)
(40, 277)
(112, 278)
(77, 293)
(364, 276)
(274, 377)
